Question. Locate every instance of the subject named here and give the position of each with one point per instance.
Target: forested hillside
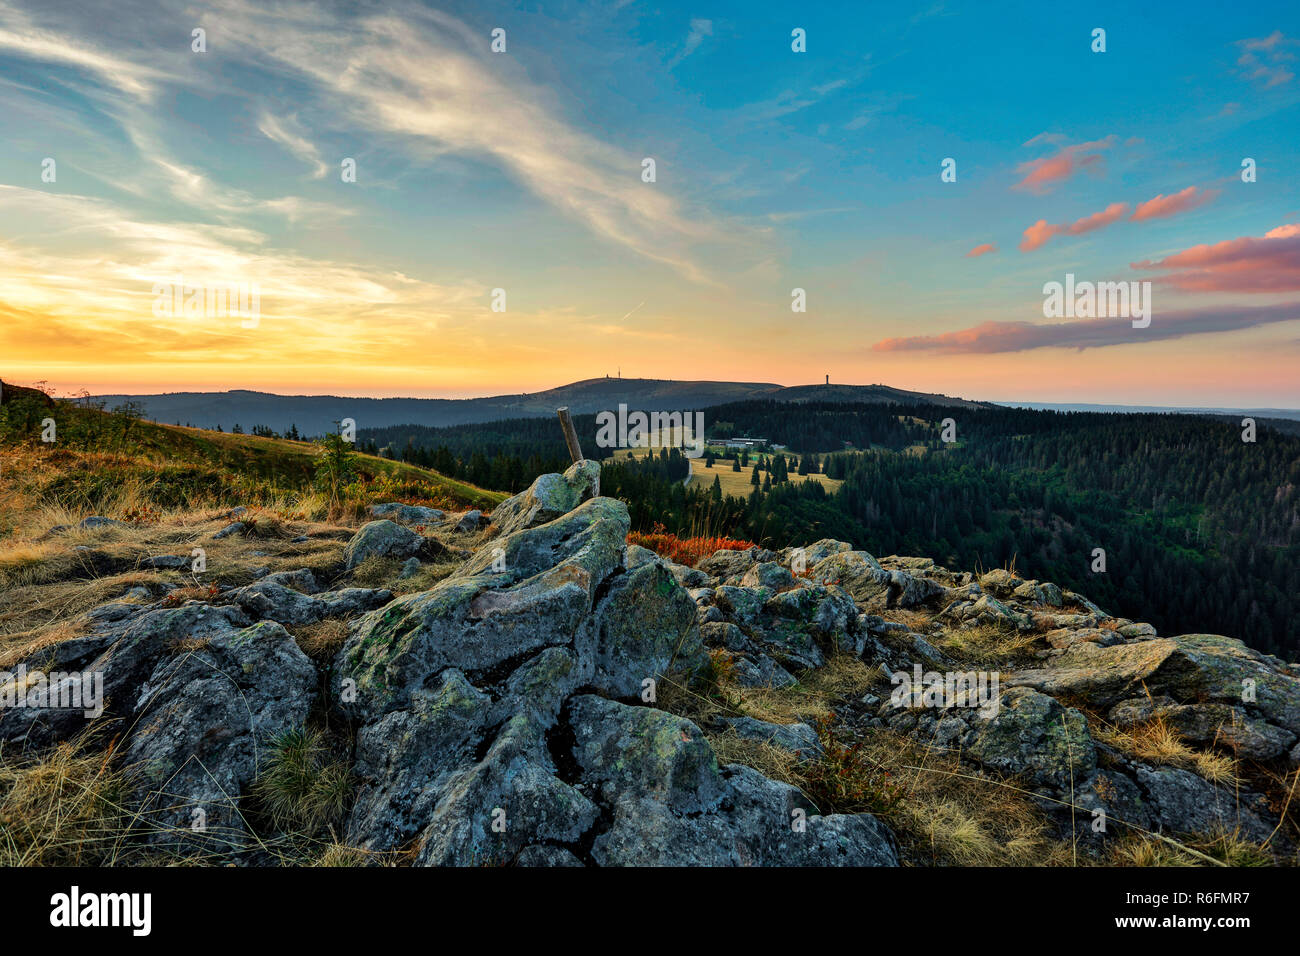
(1201, 530)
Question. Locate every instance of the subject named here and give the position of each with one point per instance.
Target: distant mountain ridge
(316, 414)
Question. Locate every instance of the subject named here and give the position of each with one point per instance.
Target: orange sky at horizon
(1187, 374)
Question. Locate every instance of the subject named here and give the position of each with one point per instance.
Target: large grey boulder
(204, 721)
(1182, 802)
(1189, 668)
(124, 643)
(478, 619)
(547, 498)
(645, 626)
(406, 514)
(872, 586)
(670, 803)
(492, 810)
(457, 688)
(1032, 735)
(384, 538)
(265, 600)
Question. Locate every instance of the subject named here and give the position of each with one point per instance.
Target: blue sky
(775, 170)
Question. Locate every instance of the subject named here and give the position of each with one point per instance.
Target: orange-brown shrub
(684, 550)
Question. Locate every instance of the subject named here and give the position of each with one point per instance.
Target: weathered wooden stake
(570, 436)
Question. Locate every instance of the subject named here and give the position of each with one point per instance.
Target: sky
(500, 234)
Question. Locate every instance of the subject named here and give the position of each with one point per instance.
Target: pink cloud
(1039, 175)
(984, 248)
(1040, 232)
(1162, 206)
(1268, 263)
(995, 337)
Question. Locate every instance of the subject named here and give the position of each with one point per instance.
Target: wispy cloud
(983, 249)
(1037, 235)
(992, 337)
(699, 30)
(1041, 175)
(1162, 206)
(423, 77)
(26, 41)
(1264, 60)
(281, 131)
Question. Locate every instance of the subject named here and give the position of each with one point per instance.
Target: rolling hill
(316, 414)
(98, 453)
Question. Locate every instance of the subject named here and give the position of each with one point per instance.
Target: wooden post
(570, 436)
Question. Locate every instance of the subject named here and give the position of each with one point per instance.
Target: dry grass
(1157, 742)
(321, 641)
(1227, 848)
(62, 809)
(986, 645)
(814, 697)
(917, 621)
(340, 854)
(942, 814)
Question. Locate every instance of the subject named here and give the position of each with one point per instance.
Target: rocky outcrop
(1051, 719)
(511, 713)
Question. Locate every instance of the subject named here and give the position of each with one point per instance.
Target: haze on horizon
(775, 170)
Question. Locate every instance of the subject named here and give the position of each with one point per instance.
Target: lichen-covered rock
(301, 580)
(814, 553)
(1000, 582)
(991, 612)
(382, 538)
(827, 614)
(495, 808)
(1032, 734)
(547, 498)
(204, 720)
(478, 619)
(1191, 667)
(858, 573)
(724, 564)
(1213, 667)
(637, 556)
(1100, 675)
(742, 605)
(768, 574)
(404, 756)
(1182, 802)
(406, 514)
(645, 626)
(265, 600)
(672, 805)
(125, 642)
(759, 670)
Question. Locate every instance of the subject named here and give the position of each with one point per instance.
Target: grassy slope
(285, 461)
